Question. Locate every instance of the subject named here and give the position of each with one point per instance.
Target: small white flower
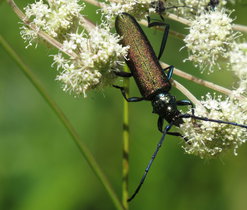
(238, 60)
(209, 139)
(209, 39)
(69, 46)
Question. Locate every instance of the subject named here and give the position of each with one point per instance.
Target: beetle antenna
(212, 120)
(168, 127)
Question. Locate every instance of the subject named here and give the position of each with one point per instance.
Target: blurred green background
(42, 169)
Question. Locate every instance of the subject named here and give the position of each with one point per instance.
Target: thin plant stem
(178, 72)
(63, 119)
(125, 170)
(236, 27)
(89, 24)
(241, 28)
(199, 81)
(186, 92)
(40, 33)
(95, 3)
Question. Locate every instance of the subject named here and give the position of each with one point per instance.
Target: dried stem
(199, 81)
(40, 33)
(95, 3)
(86, 23)
(89, 25)
(236, 27)
(186, 92)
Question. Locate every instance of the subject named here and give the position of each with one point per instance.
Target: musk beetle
(153, 81)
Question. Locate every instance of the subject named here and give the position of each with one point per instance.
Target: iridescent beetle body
(142, 61)
(152, 81)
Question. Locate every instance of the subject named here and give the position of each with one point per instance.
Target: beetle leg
(178, 134)
(187, 103)
(170, 71)
(167, 128)
(160, 127)
(123, 74)
(165, 35)
(132, 99)
(160, 124)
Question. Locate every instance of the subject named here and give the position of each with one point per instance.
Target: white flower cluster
(98, 56)
(238, 62)
(210, 38)
(141, 8)
(91, 57)
(192, 7)
(209, 139)
(137, 8)
(55, 18)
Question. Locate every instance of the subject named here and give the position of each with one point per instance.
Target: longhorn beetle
(152, 81)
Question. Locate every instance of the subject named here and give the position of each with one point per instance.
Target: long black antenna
(211, 120)
(168, 127)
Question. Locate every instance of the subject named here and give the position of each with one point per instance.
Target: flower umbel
(137, 8)
(209, 139)
(238, 61)
(89, 59)
(56, 18)
(210, 38)
(98, 56)
(97, 52)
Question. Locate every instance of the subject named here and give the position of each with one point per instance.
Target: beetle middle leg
(132, 99)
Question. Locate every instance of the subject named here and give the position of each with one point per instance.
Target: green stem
(81, 146)
(125, 163)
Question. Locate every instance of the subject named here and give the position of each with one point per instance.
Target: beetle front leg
(160, 127)
(187, 103)
(165, 35)
(132, 99)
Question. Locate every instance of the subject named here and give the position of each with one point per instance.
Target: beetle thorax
(165, 106)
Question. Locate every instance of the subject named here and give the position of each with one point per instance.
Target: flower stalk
(126, 141)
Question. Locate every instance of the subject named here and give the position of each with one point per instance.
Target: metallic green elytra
(142, 61)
